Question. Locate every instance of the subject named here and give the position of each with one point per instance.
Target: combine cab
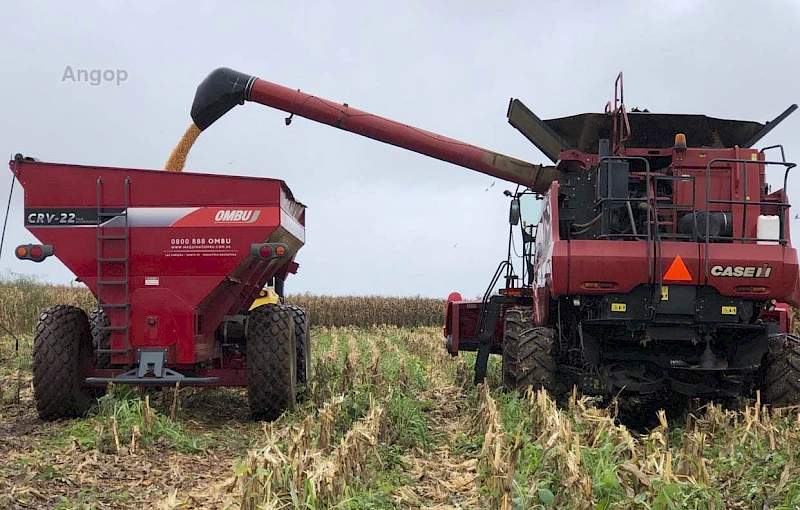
(175, 260)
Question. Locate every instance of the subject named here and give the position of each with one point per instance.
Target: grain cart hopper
(175, 260)
(656, 264)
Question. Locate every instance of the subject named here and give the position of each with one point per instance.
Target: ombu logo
(236, 216)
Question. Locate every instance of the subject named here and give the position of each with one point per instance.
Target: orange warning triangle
(678, 272)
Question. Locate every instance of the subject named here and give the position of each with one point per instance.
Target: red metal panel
(781, 314)
(54, 184)
(448, 313)
(463, 322)
(553, 258)
(623, 264)
(782, 263)
(727, 183)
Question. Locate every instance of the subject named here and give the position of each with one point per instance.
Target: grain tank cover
(648, 130)
(655, 130)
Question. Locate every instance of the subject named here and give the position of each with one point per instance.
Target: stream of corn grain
(177, 159)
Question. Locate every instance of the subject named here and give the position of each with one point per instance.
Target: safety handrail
(745, 203)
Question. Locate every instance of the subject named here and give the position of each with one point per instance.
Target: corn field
(367, 311)
(22, 301)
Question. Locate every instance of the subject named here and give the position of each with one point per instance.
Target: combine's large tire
(781, 377)
(529, 357)
(303, 344)
(62, 350)
(271, 361)
(100, 339)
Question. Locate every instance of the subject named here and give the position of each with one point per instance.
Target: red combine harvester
(660, 262)
(175, 260)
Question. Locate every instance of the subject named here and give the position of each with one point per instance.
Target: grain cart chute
(175, 260)
(657, 263)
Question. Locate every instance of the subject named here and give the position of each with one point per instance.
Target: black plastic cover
(654, 130)
(219, 92)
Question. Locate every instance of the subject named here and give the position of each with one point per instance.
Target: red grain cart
(175, 260)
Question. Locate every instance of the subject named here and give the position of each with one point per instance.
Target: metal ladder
(103, 261)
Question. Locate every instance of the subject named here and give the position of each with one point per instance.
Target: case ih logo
(236, 216)
(742, 271)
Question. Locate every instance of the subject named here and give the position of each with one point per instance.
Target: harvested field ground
(389, 420)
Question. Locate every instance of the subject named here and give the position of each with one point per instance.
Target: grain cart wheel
(781, 376)
(528, 353)
(100, 339)
(62, 349)
(303, 340)
(271, 361)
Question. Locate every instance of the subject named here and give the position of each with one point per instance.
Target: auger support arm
(224, 88)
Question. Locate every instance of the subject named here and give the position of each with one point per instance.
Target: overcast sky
(380, 220)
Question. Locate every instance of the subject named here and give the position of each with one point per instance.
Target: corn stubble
(389, 415)
(522, 450)
(316, 460)
(580, 457)
(365, 409)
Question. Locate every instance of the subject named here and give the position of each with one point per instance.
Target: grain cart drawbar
(175, 260)
(660, 263)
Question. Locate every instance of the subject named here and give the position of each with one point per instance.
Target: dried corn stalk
(271, 476)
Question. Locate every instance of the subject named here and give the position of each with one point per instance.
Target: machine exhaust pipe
(225, 88)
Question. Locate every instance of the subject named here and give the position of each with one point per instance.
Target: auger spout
(225, 88)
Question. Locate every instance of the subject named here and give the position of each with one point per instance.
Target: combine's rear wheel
(62, 349)
(271, 361)
(529, 357)
(780, 385)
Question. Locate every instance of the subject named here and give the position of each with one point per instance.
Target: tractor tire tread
(529, 357)
(271, 361)
(303, 343)
(781, 383)
(100, 339)
(61, 351)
